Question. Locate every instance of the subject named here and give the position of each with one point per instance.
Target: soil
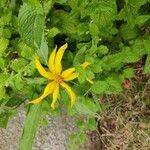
(125, 124)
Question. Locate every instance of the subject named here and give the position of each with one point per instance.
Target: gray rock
(53, 137)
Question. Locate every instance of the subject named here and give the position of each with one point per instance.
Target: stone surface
(9, 137)
(53, 137)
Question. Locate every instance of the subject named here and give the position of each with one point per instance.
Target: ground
(125, 125)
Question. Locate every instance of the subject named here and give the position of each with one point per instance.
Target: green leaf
(128, 32)
(90, 74)
(16, 98)
(4, 117)
(128, 73)
(3, 45)
(81, 125)
(91, 124)
(147, 64)
(47, 5)
(82, 74)
(99, 87)
(36, 80)
(2, 92)
(65, 22)
(29, 68)
(130, 11)
(132, 54)
(2, 63)
(30, 127)
(25, 51)
(43, 51)
(53, 32)
(102, 50)
(3, 78)
(18, 82)
(114, 85)
(96, 67)
(3, 120)
(102, 13)
(86, 107)
(94, 30)
(81, 89)
(82, 138)
(82, 29)
(112, 61)
(18, 64)
(60, 1)
(140, 20)
(31, 24)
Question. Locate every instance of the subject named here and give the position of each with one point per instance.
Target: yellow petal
(58, 58)
(71, 77)
(85, 64)
(51, 60)
(70, 92)
(41, 70)
(69, 74)
(89, 80)
(55, 96)
(48, 90)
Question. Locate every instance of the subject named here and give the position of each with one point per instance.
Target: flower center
(58, 78)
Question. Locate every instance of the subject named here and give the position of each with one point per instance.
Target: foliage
(108, 33)
(30, 127)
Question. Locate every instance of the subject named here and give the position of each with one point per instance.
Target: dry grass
(125, 125)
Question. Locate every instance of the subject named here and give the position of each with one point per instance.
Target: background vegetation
(111, 34)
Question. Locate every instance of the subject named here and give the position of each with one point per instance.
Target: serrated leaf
(102, 50)
(31, 24)
(30, 127)
(29, 68)
(53, 32)
(2, 63)
(3, 78)
(113, 61)
(18, 82)
(47, 5)
(128, 73)
(96, 66)
(18, 64)
(140, 20)
(25, 51)
(114, 85)
(99, 87)
(65, 22)
(82, 28)
(130, 11)
(102, 13)
(94, 30)
(131, 57)
(60, 1)
(128, 32)
(3, 45)
(2, 92)
(86, 107)
(43, 51)
(82, 74)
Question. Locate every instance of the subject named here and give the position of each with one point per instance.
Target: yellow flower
(57, 77)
